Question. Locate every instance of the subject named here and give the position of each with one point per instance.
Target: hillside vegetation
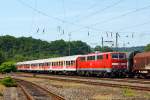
(28, 48)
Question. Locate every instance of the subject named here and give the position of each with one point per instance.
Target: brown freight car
(142, 63)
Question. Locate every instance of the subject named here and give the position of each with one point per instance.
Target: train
(102, 64)
(105, 64)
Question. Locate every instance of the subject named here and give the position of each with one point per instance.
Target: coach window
(42, 64)
(72, 63)
(67, 63)
(46, 64)
(64, 63)
(49, 64)
(57, 63)
(61, 63)
(100, 57)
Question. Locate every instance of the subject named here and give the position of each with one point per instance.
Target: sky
(85, 20)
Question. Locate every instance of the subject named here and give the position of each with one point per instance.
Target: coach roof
(66, 58)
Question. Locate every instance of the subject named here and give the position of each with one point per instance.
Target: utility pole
(117, 35)
(102, 43)
(69, 42)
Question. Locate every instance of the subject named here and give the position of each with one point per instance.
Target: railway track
(128, 80)
(36, 92)
(109, 83)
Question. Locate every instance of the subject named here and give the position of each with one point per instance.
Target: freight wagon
(142, 64)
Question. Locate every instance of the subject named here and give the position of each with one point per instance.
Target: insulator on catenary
(37, 31)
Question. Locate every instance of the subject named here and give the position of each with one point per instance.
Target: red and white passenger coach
(95, 63)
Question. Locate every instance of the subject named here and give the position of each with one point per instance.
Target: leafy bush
(8, 82)
(7, 67)
(128, 92)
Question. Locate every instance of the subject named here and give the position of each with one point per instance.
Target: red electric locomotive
(111, 63)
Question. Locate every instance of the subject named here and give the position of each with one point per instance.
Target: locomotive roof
(143, 54)
(66, 58)
(100, 53)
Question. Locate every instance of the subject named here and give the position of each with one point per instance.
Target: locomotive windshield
(118, 56)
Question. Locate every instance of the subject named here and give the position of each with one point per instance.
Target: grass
(2, 88)
(128, 92)
(8, 82)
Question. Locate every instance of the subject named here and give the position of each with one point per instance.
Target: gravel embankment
(77, 91)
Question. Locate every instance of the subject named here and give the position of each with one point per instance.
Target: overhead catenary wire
(45, 14)
(52, 17)
(133, 26)
(113, 18)
(89, 8)
(99, 11)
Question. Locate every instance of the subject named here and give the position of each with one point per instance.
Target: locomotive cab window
(82, 58)
(106, 56)
(91, 58)
(100, 57)
(118, 56)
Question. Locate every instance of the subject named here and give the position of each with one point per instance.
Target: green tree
(28, 48)
(7, 67)
(104, 49)
(78, 47)
(2, 59)
(147, 48)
